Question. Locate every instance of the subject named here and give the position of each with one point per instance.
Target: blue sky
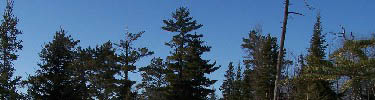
(225, 22)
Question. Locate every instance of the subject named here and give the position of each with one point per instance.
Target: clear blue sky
(225, 22)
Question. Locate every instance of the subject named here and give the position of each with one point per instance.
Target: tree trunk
(276, 91)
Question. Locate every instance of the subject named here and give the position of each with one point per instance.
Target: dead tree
(281, 51)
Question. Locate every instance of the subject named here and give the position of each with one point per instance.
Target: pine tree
(187, 80)
(352, 61)
(316, 52)
(237, 84)
(101, 66)
(153, 81)
(247, 88)
(55, 79)
(128, 57)
(9, 46)
(82, 72)
(317, 89)
(227, 87)
(262, 52)
(233, 87)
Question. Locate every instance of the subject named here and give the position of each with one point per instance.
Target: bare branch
(308, 5)
(296, 13)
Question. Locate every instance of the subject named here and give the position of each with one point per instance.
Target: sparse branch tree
(128, 57)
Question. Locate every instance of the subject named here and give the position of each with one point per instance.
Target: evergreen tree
(352, 61)
(153, 80)
(212, 96)
(233, 85)
(316, 52)
(262, 57)
(227, 87)
(9, 46)
(298, 82)
(102, 67)
(237, 85)
(316, 89)
(83, 68)
(128, 57)
(247, 88)
(55, 79)
(187, 80)
(238, 72)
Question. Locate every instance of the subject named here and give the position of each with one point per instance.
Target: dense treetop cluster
(68, 71)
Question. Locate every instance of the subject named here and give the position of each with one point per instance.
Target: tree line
(68, 71)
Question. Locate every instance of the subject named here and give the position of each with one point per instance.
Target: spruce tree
(262, 52)
(316, 89)
(128, 57)
(153, 81)
(102, 66)
(9, 46)
(237, 84)
(233, 85)
(246, 84)
(187, 80)
(55, 80)
(227, 87)
(316, 52)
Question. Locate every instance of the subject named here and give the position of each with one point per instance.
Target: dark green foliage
(261, 57)
(317, 43)
(153, 81)
(9, 46)
(101, 64)
(227, 87)
(187, 80)
(315, 89)
(353, 61)
(128, 57)
(233, 87)
(69, 72)
(56, 80)
(298, 84)
(239, 93)
(247, 89)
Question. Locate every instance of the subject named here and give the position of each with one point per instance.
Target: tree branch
(296, 13)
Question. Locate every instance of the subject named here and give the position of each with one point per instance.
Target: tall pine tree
(102, 66)
(316, 89)
(55, 80)
(9, 46)
(261, 56)
(128, 57)
(187, 80)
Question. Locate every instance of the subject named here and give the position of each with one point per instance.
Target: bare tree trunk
(276, 91)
